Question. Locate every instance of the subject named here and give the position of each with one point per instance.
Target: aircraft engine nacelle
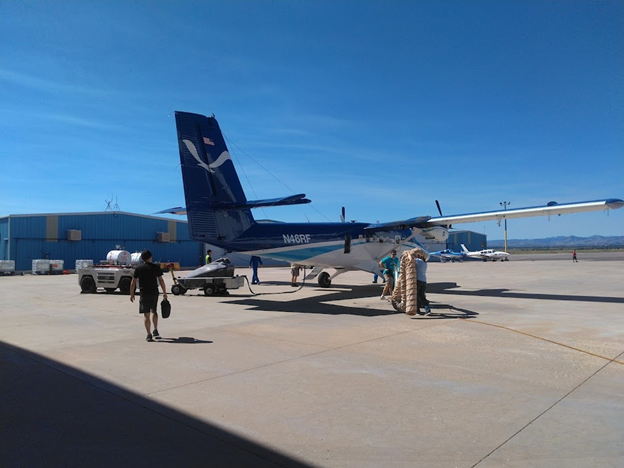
(437, 233)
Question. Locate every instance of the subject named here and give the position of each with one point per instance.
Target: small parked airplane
(219, 214)
(487, 254)
(447, 255)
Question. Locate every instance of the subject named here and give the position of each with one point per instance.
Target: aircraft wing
(550, 209)
(421, 221)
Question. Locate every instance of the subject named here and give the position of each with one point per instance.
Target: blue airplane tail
(215, 201)
(216, 206)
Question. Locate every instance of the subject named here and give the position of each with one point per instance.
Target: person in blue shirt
(253, 264)
(421, 285)
(389, 265)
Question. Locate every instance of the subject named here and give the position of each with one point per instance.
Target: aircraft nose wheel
(323, 280)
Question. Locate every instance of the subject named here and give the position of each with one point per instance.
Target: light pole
(504, 205)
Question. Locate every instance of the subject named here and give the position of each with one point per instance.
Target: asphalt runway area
(521, 364)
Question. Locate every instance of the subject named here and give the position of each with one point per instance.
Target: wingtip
(615, 203)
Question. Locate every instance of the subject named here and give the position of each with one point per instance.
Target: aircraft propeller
(440, 211)
(342, 216)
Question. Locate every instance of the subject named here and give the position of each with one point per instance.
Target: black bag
(165, 308)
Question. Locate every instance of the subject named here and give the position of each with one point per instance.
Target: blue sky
(379, 106)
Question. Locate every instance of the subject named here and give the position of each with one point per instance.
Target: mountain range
(570, 242)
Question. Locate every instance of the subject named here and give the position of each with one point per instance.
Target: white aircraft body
(220, 214)
(487, 254)
(447, 255)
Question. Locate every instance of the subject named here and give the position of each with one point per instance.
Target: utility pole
(504, 205)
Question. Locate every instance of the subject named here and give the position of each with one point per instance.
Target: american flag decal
(208, 141)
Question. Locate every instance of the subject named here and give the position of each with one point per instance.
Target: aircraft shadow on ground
(446, 311)
(326, 302)
(58, 415)
(453, 288)
(329, 302)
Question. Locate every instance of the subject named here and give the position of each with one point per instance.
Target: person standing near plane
(389, 265)
(209, 257)
(254, 261)
(421, 285)
(574, 259)
(294, 271)
(149, 276)
(376, 276)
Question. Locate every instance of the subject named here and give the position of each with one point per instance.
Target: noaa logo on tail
(209, 167)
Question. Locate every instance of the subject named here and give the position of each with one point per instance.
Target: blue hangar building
(90, 236)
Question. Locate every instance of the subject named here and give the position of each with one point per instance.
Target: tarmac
(521, 364)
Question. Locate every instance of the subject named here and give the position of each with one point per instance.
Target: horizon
(382, 108)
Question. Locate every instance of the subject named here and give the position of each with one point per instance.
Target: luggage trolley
(214, 278)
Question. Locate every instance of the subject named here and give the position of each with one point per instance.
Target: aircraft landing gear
(324, 280)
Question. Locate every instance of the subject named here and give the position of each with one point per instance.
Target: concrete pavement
(521, 365)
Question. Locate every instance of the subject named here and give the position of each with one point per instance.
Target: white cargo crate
(7, 267)
(80, 264)
(41, 266)
(57, 267)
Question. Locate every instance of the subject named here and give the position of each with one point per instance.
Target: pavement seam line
(326, 350)
(546, 410)
(614, 360)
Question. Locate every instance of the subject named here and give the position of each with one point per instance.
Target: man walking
(149, 276)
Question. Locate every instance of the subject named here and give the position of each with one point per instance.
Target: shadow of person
(183, 340)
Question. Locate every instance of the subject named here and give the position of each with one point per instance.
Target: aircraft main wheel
(210, 289)
(87, 285)
(323, 280)
(177, 289)
(124, 285)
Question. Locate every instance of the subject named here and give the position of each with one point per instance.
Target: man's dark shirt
(148, 274)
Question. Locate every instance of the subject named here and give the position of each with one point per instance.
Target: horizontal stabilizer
(298, 199)
(178, 210)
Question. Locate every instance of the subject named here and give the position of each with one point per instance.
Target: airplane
(219, 214)
(487, 254)
(447, 255)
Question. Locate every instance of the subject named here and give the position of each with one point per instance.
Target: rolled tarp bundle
(405, 294)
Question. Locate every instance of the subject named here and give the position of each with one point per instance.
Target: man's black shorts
(147, 303)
